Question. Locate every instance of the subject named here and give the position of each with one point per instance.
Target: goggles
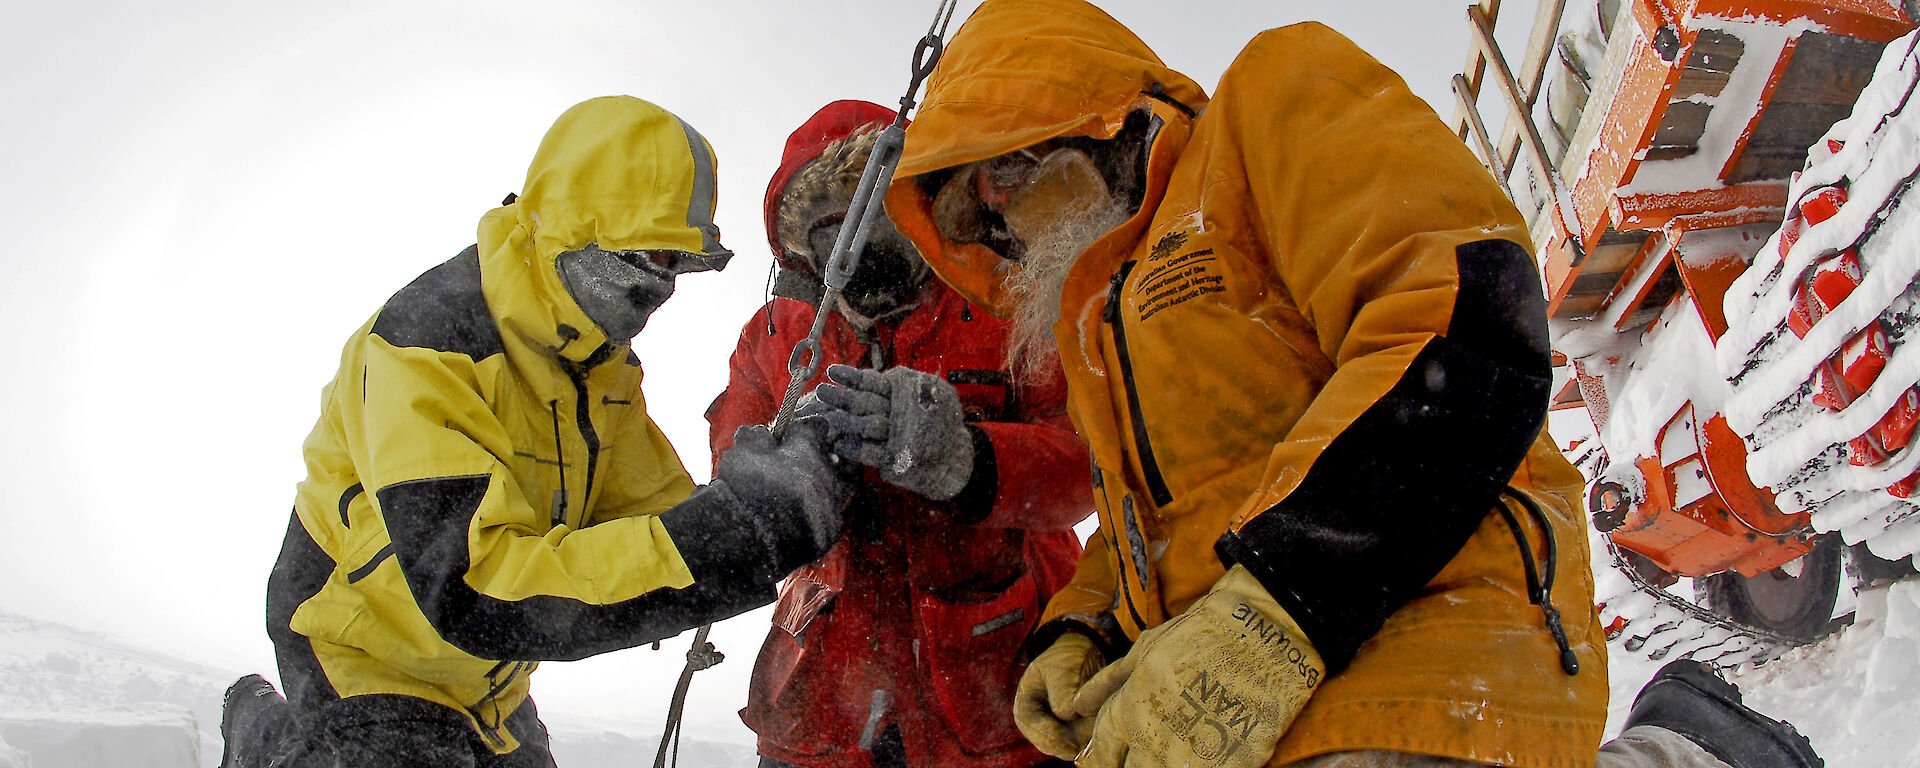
(670, 262)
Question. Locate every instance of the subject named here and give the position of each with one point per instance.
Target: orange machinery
(1657, 165)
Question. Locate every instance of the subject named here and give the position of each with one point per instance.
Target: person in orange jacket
(1303, 335)
(903, 645)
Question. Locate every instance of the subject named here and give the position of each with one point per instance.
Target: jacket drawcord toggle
(1540, 589)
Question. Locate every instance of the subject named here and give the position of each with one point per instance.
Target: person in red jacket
(903, 645)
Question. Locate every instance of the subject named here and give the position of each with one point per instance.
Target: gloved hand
(1043, 702)
(905, 423)
(791, 486)
(1216, 686)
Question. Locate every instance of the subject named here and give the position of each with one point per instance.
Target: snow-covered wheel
(1795, 600)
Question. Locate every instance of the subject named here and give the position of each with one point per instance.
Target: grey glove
(902, 422)
(796, 495)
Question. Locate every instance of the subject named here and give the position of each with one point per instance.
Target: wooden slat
(1710, 63)
(1533, 71)
(1516, 102)
(1681, 128)
(1465, 104)
(1829, 69)
(1546, 27)
(1475, 69)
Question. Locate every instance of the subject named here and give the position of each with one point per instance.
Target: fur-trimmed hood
(799, 276)
(820, 188)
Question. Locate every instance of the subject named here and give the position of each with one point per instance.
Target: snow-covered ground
(73, 699)
(70, 699)
(1855, 694)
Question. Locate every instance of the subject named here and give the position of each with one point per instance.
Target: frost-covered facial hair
(618, 290)
(1035, 287)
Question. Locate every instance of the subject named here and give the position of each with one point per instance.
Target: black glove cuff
(1103, 630)
(720, 539)
(974, 502)
(785, 534)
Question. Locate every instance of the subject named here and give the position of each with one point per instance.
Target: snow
(1646, 389)
(1855, 694)
(1865, 715)
(1733, 109)
(74, 699)
(1796, 444)
(68, 697)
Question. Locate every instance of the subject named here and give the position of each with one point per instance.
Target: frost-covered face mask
(890, 273)
(1063, 185)
(619, 290)
(1007, 201)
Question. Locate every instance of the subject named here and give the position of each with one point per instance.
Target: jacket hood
(834, 122)
(616, 171)
(1020, 72)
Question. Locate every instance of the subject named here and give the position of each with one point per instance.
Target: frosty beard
(1034, 287)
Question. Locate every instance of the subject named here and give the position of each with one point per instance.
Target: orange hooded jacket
(1318, 349)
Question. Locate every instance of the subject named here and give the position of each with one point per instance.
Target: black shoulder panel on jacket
(1500, 311)
(427, 521)
(1393, 498)
(443, 309)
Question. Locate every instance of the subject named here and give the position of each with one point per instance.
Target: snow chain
(1759, 645)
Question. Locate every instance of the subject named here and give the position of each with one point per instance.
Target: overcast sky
(205, 198)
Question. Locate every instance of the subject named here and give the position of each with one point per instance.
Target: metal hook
(798, 371)
(864, 209)
(926, 54)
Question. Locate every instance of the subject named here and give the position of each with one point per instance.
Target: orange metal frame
(1639, 105)
(1736, 526)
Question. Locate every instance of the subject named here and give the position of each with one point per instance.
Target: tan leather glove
(1216, 686)
(1043, 702)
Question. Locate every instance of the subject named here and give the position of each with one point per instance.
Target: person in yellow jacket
(485, 489)
(1304, 338)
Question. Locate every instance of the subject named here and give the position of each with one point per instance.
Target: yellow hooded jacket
(484, 483)
(1318, 350)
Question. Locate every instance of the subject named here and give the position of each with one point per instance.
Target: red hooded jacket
(927, 602)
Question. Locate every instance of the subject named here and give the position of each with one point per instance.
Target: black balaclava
(890, 275)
